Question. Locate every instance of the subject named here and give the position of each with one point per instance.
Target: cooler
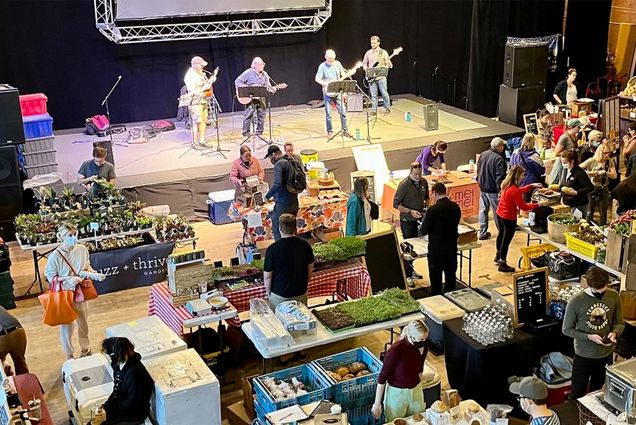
(467, 299)
(37, 126)
(33, 104)
(88, 382)
(186, 391)
(218, 205)
(436, 310)
(151, 337)
(431, 384)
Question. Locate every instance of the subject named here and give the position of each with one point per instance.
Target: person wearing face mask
(578, 181)
(440, 224)
(566, 142)
(411, 198)
(96, 168)
(64, 265)
(129, 403)
(594, 140)
(243, 167)
(399, 391)
(532, 394)
(600, 168)
(286, 202)
(594, 318)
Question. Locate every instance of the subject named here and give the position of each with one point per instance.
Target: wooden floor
(44, 353)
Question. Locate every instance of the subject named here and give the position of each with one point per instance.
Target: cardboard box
(467, 233)
(579, 107)
(189, 275)
(324, 234)
(557, 119)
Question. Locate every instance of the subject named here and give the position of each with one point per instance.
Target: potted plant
(68, 198)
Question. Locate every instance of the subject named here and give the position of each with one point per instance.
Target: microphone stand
(105, 101)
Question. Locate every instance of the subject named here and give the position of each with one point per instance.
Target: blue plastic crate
(37, 126)
(361, 415)
(358, 390)
(317, 386)
(260, 413)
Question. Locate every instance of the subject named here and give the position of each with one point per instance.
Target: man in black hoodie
(129, 403)
(491, 171)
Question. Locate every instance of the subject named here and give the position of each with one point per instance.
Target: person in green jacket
(594, 318)
(359, 209)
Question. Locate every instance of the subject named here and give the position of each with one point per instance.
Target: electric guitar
(211, 79)
(246, 100)
(396, 52)
(346, 75)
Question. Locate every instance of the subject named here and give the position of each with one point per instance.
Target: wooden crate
(617, 251)
(190, 275)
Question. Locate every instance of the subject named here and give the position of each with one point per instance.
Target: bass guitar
(396, 52)
(246, 100)
(346, 75)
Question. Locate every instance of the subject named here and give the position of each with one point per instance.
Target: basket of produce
(580, 246)
(297, 385)
(353, 375)
(558, 224)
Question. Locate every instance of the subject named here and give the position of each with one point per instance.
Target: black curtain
(492, 21)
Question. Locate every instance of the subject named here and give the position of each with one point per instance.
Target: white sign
(371, 157)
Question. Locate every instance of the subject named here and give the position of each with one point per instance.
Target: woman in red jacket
(510, 201)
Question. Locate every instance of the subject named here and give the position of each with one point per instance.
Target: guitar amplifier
(355, 102)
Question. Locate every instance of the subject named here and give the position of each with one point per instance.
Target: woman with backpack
(527, 157)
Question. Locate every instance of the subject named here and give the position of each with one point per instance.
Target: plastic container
(361, 415)
(359, 390)
(577, 245)
(317, 386)
(556, 231)
(39, 158)
(37, 126)
(467, 299)
(37, 170)
(436, 310)
(33, 104)
(39, 145)
(432, 386)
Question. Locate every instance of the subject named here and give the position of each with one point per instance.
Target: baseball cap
(574, 122)
(271, 151)
(529, 387)
(198, 60)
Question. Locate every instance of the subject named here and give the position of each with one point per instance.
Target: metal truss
(208, 28)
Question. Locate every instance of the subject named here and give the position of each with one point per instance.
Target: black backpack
(296, 179)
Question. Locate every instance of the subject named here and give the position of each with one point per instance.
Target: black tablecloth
(481, 372)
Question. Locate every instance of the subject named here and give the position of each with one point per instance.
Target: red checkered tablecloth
(159, 304)
(352, 274)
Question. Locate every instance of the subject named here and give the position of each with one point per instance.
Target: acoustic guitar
(211, 79)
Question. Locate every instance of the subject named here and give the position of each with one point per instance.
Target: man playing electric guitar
(328, 71)
(376, 57)
(197, 85)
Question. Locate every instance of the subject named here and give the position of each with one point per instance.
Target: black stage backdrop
(53, 47)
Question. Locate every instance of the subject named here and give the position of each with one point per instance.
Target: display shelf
(91, 239)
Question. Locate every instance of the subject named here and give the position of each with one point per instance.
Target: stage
(165, 171)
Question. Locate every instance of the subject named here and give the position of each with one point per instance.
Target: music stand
(256, 92)
(371, 74)
(340, 87)
(215, 109)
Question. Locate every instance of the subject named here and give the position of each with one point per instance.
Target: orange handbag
(86, 290)
(58, 306)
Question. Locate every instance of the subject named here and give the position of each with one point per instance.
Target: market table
(312, 213)
(347, 280)
(462, 189)
(420, 245)
(481, 372)
(323, 336)
(28, 387)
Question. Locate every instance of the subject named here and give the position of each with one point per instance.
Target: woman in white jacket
(63, 266)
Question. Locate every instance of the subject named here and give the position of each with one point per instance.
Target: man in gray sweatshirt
(594, 319)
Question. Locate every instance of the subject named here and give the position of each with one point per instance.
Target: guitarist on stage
(197, 84)
(377, 57)
(328, 71)
(254, 76)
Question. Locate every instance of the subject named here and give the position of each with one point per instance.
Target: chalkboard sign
(530, 290)
(530, 123)
(384, 261)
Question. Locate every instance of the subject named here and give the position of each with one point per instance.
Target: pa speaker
(431, 117)
(11, 127)
(11, 189)
(525, 66)
(355, 102)
(9, 171)
(515, 102)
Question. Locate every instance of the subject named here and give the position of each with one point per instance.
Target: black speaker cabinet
(106, 144)
(10, 191)
(431, 117)
(525, 66)
(514, 102)
(11, 129)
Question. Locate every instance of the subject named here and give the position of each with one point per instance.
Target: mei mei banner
(127, 268)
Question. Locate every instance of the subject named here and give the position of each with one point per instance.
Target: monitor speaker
(525, 66)
(11, 189)
(355, 102)
(515, 102)
(431, 117)
(11, 127)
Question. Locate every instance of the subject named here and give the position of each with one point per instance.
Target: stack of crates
(39, 149)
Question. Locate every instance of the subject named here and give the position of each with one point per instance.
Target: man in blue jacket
(491, 171)
(286, 201)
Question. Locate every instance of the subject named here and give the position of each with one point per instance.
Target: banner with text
(127, 268)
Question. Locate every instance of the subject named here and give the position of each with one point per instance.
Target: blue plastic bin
(317, 386)
(361, 415)
(358, 390)
(218, 206)
(37, 126)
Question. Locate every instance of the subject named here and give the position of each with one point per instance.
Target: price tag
(94, 226)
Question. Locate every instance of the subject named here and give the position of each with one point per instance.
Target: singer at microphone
(198, 85)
